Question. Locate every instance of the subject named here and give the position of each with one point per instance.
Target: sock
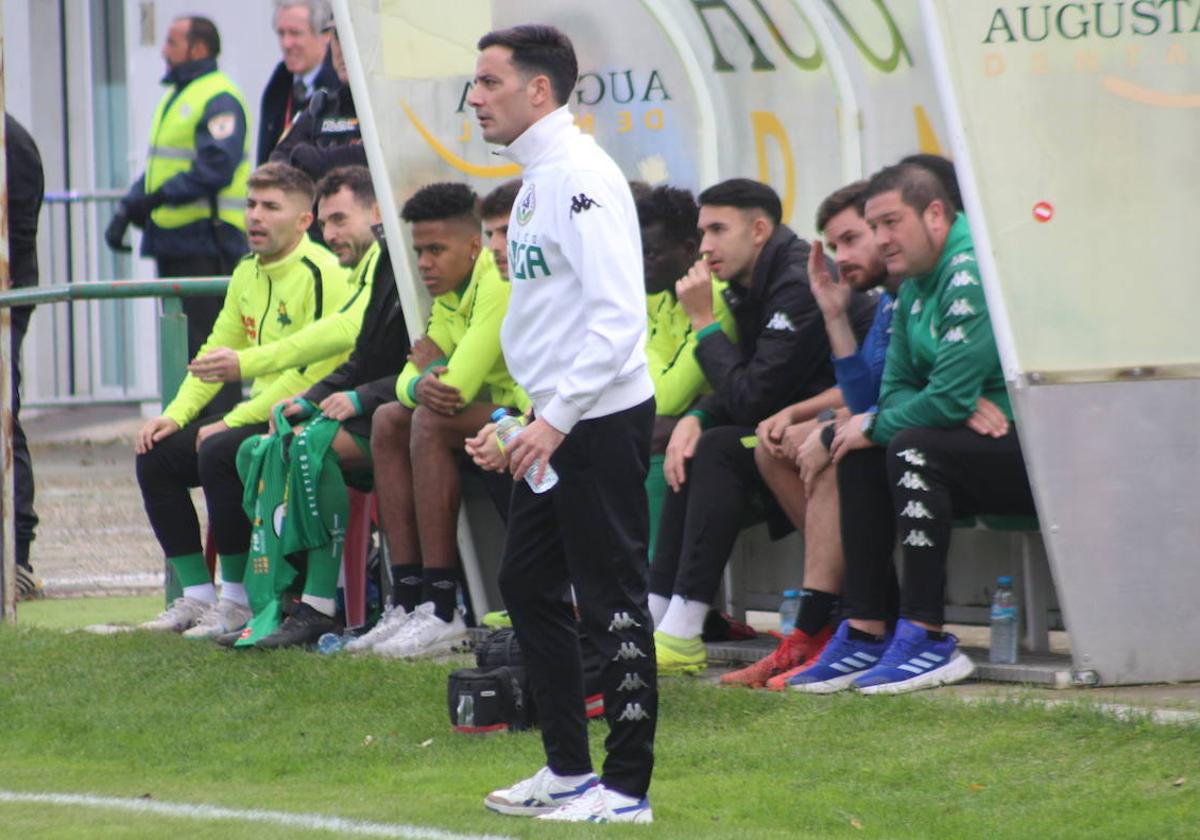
(192, 572)
(658, 608)
(233, 572)
(935, 635)
(440, 587)
(574, 781)
(684, 619)
(656, 494)
(862, 636)
(816, 609)
(325, 606)
(406, 585)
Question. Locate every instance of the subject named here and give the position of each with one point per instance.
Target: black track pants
(589, 531)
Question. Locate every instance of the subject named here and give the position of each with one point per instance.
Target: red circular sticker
(1043, 211)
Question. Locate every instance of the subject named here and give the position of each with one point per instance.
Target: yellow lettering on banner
(1041, 63)
(1134, 56)
(466, 132)
(624, 122)
(926, 137)
(654, 119)
(507, 170)
(1086, 60)
(586, 123)
(766, 124)
(993, 64)
(1177, 54)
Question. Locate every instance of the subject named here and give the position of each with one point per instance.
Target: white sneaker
(424, 634)
(601, 805)
(183, 613)
(542, 793)
(389, 623)
(223, 617)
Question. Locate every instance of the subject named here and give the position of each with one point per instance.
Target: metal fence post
(172, 368)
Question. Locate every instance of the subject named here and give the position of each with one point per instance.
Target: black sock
(406, 585)
(935, 635)
(440, 586)
(863, 636)
(816, 610)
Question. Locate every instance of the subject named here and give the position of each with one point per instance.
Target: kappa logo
(963, 278)
(780, 321)
(916, 510)
(632, 682)
(633, 712)
(917, 539)
(627, 651)
(581, 202)
(913, 456)
(959, 259)
(916, 307)
(525, 207)
(955, 335)
(622, 621)
(912, 481)
(961, 307)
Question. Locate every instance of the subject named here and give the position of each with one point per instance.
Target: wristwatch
(868, 423)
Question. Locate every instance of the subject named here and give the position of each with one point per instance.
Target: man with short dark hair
(455, 378)
(304, 28)
(287, 282)
(574, 339)
(781, 357)
(925, 455)
(190, 201)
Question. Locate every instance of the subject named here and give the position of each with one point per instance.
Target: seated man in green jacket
(455, 379)
(670, 246)
(286, 282)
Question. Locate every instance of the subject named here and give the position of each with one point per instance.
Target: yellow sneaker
(496, 620)
(679, 656)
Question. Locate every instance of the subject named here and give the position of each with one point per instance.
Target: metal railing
(172, 355)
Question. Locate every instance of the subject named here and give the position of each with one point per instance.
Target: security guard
(191, 199)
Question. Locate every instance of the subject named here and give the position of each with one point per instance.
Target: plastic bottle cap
(498, 415)
(1004, 580)
(791, 593)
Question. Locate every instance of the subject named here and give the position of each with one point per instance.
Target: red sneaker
(780, 681)
(795, 650)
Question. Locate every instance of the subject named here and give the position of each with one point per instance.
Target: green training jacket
(942, 356)
(670, 349)
(323, 338)
(465, 324)
(263, 304)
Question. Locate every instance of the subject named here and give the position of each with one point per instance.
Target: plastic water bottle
(788, 611)
(465, 716)
(1004, 623)
(507, 429)
(332, 642)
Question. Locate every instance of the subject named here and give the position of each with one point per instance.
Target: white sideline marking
(312, 822)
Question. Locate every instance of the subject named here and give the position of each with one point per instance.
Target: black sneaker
(303, 627)
(228, 640)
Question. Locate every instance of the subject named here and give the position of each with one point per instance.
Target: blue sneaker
(913, 661)
(840, 662)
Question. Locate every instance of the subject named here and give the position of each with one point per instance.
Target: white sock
(205, 592)
(573, 780)
(684, 619)
(235, 592)
(658, 608)
(325, 606)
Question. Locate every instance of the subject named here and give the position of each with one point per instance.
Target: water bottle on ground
(788, 611)
(507, 429)
(1004, 623)
(332, 642)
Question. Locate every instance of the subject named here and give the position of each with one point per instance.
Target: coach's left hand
(537, 442)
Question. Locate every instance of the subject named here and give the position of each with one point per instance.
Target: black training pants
(202, 312)
(167, 471)
(590, 530)
(934, 476)
(701, 523)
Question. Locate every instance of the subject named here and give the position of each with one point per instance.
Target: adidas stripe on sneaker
(913, 662)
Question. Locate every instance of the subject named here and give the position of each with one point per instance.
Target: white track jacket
(575, 332)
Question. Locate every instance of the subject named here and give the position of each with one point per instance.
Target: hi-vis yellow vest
(173, 150)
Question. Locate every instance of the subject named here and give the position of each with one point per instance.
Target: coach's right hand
(152, 432)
